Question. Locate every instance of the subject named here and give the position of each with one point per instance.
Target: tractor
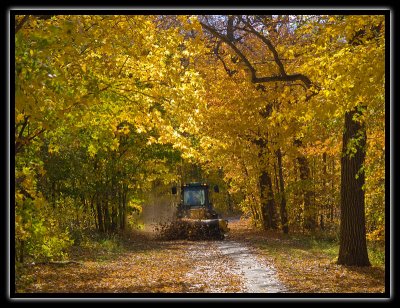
(195, 214)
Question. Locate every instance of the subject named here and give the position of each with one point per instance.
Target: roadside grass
(303, 246)
(91, 247)
(133, 264)
(128, 262)
(96, 247)
(103, 247)
(376, 253)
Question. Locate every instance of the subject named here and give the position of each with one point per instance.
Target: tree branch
(216, 50)
(233, 46)
(270, 47)
(282, 77)
(21, 23)
(24, 124)
(22, 141)
(25, 19)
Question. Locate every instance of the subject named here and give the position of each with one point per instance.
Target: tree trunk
(283, 212)
(276, 179)
(124, 201)
(268, 208)
(99, 215)
(325, 201)
(93, 212)
(107, 218)
(353, 246)
(310, 221)
(114, 213)
(254, 214)
(229, 201)
(332, 204)
(120, 209)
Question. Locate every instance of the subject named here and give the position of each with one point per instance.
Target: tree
(243, 33)
(353, 246)
(354, 85)
(97, 102)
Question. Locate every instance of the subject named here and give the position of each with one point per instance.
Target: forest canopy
(285, 112)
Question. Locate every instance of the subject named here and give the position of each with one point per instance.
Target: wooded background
(286, 113)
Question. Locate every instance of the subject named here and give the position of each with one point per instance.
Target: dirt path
(257, 277)
(158, 267)
(212, 272)
(228, 266)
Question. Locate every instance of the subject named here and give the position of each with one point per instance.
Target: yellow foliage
(150, 82)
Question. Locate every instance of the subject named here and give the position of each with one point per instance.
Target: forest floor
(307, 264)
(247, 261)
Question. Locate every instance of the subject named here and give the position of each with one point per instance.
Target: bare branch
(216, 51)
(282, 77)
(233, 46)
(270, 47)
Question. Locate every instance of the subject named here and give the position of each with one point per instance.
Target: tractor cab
(196, 195)
(196, 211)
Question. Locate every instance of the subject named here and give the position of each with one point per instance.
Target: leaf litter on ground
(146, 264)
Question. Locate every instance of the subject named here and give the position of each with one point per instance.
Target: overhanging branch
(254, 78)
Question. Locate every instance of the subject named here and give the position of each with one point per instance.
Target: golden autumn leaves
(116, 88)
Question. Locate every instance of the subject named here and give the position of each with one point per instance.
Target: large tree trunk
(353, 246)
(283, 212)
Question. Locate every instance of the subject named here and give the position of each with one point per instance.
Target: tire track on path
(229, 267)
(258, 278)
